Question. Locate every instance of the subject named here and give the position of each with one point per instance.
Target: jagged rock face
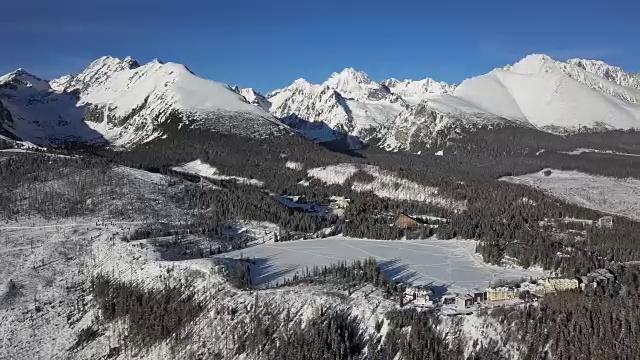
(124, 103)
(348, 102)
(414, 91)
(254, 98)
(606, 71)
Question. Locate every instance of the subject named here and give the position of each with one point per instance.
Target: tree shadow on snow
(265, 271)
(394, 269)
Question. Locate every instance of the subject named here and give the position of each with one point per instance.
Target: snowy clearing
(385, 184)
(294, 165)
(450, 263)
(580, 151)
(607, 194)
(198, 167)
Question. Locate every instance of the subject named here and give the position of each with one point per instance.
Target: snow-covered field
(198, 167)
(607, 194)
(451, 263)
(385, 184)
(580, 151)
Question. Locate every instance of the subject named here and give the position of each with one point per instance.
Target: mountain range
(122, 103)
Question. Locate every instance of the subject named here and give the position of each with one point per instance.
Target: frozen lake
(450, 263)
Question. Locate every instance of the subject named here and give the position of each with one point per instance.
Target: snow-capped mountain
(536, 92)
(348, 102)
(31, 110)
(547, 94)
(124, 103)
(120, 102)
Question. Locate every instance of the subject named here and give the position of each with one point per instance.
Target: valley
(149, 213)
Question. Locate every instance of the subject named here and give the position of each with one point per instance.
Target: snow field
(198, 167)
(451, 263)
(607, 194)
(385, 184)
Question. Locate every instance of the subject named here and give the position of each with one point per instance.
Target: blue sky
(268, 44)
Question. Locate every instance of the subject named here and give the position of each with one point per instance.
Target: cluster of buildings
(595, 278)
(464, 302)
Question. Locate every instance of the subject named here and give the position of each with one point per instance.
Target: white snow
(439, 153)
(441, 262)
(334, 174)
(294, 165)
(585, 150)
(607, 194)
(385, 184)
(542, 92)
(198, 167)
(414, 91)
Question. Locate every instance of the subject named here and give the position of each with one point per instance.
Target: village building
(554, 285)
(339, 202)
(605, 221)
(536, 289)
(479, 296)
(419, 295)
(596, 277)
(458, 302)
(405, 221)
(464, 301)
(500, 294)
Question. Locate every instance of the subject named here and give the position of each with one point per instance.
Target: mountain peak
(21, 77)
(350, 74)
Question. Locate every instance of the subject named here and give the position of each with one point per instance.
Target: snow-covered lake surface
(451, 263)
(608, 194)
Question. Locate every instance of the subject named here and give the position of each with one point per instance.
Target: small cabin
(605, 221)
(464, 301)
(405, 221)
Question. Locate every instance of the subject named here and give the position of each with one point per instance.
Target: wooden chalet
(405, 221)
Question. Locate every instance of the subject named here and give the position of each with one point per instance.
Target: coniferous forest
(600, 323)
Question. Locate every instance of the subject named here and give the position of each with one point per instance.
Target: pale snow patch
(385, 184)
(294, 165)
(334, 174)
(439, 153)
(607, 194)
(585, 150)
(198, 167)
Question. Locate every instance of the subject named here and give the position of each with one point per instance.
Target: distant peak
(351, 74)
(301, 83)
(154, 61)
(110, 61)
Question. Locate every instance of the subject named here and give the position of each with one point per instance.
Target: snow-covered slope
(31, 111)
(125, 104)
(548, 94)
(132, 102)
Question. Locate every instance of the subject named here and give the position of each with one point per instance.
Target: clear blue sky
(268, 44)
